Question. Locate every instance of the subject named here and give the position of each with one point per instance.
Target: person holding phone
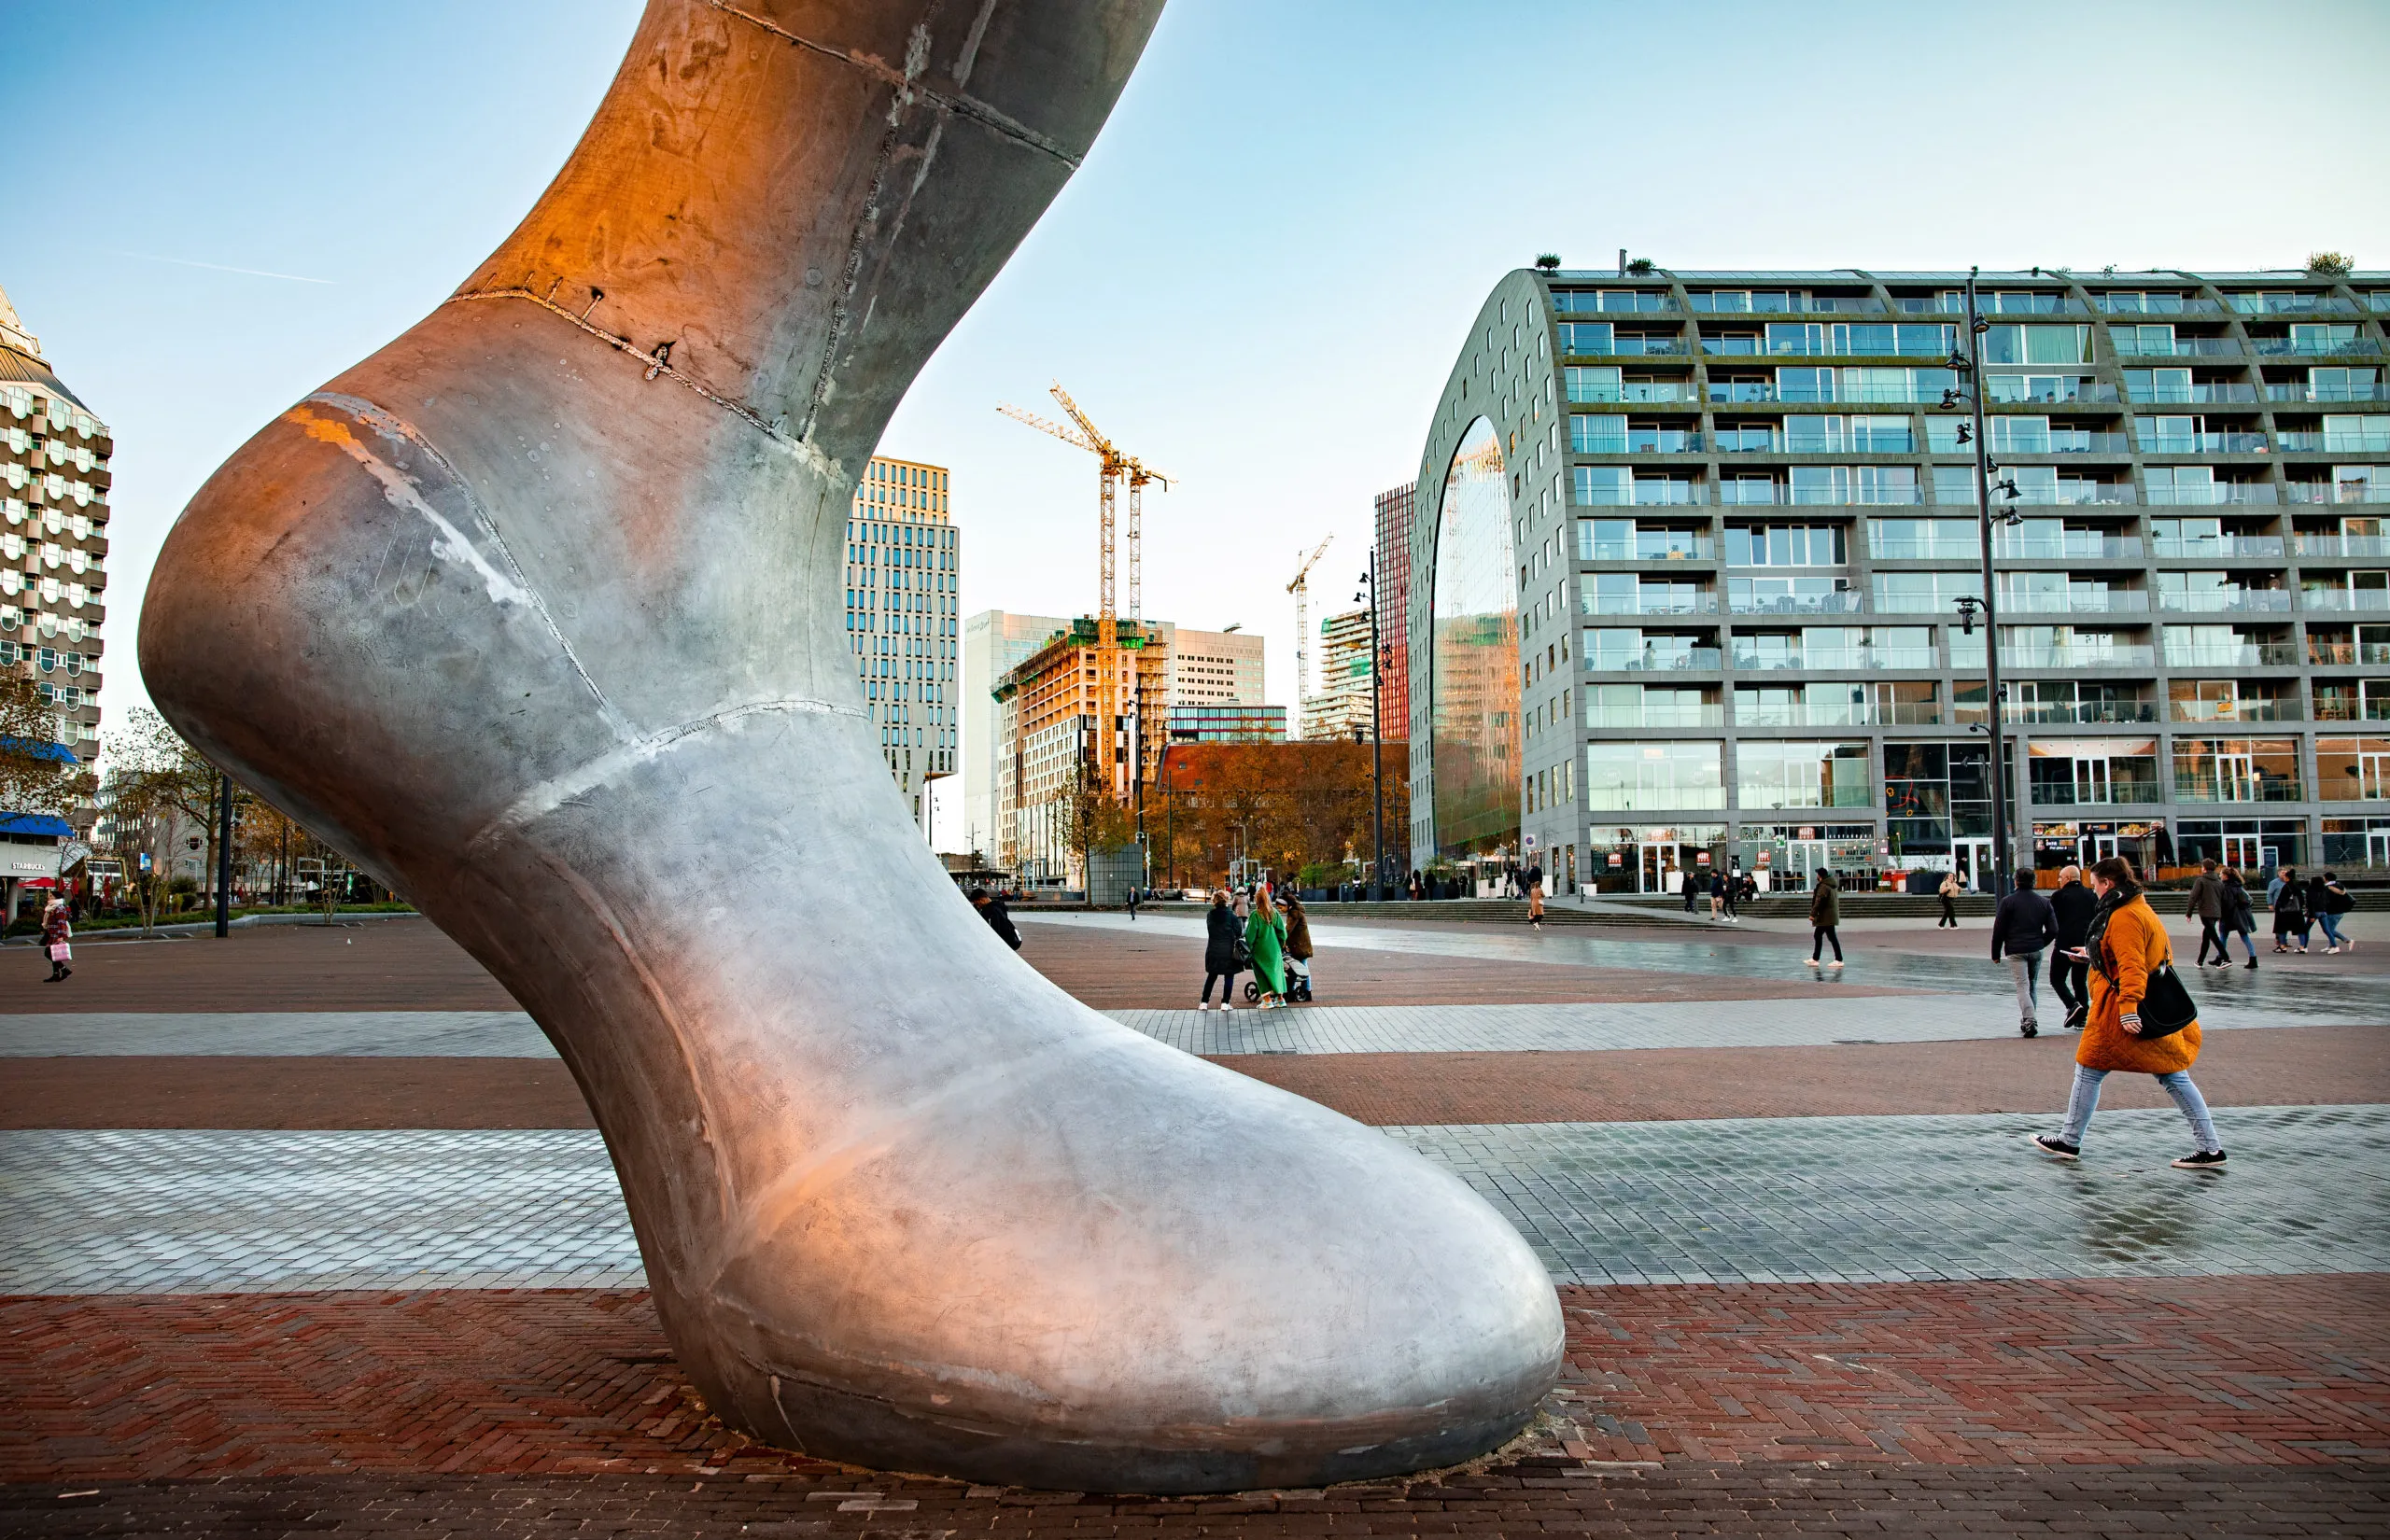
(2125, 942)
(2072, 905)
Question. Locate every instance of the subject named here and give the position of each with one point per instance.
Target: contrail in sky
(218, 267)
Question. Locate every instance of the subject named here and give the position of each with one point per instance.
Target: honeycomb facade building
(54, 490)
(1688, 552)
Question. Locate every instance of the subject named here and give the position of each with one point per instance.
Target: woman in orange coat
(2125, 942)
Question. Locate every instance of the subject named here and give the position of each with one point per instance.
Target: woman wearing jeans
(2125, 942)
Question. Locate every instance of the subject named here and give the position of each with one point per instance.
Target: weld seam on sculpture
(391, 425)
(907, 80)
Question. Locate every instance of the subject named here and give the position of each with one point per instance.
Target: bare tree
(37, 773)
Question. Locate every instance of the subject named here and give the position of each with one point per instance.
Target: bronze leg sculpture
(535, 613)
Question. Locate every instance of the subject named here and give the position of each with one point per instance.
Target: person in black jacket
(991, 909)
(1223, 947)
(2021, 927)
(2239, 915)
(2072, 906)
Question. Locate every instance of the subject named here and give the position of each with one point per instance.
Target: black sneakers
(2030, 1028)
(2201, 1161)
(2052, 1144)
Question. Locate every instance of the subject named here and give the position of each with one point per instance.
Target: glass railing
(2237, 710)
(2342, 653)
(2245, 655)
(1869, 658)
(2313, 348)
(2193, 395)
(2348, 708)
(1651, 545)
(2342, 545)
(1847, 602)
(1869, 496)
(1653, 604)
(1688, 659)
(2073, 494)
(2205, 443)
(1761, 390)
(1626, 346)
(2225, 600)
(1837, 714)
(2344, 599)
(1893, 602)
(2297, 390)
(2337, 492)
(1848, 347)
(2016, 390)
(2216, 545)
(2097, 602)
(2210, 788)
(1575, 302)
(2029, 304)
(2122, 790)
(1757, 303)
(2056, 442)
(1601, 714)
(2016, 655)
(1657, 390)
(1887, 549)
(2214, 495)
(2086, 712)
(2155, 304)
(2073, 543)
(1751, 493)
(2177, 347)
(1747, 440)
(2291, 304)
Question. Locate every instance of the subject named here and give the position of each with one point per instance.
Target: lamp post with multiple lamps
(1369, 594)
(1966, 362)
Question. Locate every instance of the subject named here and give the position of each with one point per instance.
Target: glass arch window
(1474, 678)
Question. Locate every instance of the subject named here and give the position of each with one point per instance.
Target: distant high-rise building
(904, 566)
(54, 491)
(1228, 724)
(1394, 605)
(994, 643)
(1212, 667)
(1342, 707)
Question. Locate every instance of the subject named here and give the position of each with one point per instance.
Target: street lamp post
(1377, 738)
(1967, 365)
(223, 854)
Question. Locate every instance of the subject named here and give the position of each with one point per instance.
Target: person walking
(1265, 945)
(1132, 903)
(2328, 901)
(57, 933)
(1222, 942)
(1692, 889)
(1825, 917)
(2289, 897)
(1716, 896)
(1534, 880)
(1949, 894)
(2021, 927)
(2240, 918)
(1734, 893)
(2207, 907)
(2072, 907)
(1299, 949)
(2126, 943)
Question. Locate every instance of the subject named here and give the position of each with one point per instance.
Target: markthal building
(1694, 546)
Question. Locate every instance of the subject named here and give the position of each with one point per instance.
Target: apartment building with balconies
(1735, 521)
(904, 576)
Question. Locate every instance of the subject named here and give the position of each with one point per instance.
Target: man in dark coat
(1223, 952)
(2021, 927)
(2207, 907)
(2072, 906)
(991, 909)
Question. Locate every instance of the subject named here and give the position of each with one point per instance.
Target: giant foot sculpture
(535, 613)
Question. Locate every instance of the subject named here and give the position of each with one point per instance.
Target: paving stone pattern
(118, 1212)
(386, 1034)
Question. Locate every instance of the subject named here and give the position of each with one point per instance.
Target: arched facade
(1473, 682)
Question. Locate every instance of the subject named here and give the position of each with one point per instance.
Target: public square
(311, 1231)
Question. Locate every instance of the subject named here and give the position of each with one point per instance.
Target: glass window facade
(1772, 775)
(1650, 777)
(1474, 682)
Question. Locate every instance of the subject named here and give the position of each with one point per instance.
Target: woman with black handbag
(2142, 1020)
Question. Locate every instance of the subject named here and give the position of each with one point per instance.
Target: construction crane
(1301, 589)
(1113, 467)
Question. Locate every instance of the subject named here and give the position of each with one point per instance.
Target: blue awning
(35, 823)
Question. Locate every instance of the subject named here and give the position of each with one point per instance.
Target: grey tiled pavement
(1797, 1199)
(389, 1034)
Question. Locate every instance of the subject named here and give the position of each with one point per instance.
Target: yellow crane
(1114, 467)
(1301, 589)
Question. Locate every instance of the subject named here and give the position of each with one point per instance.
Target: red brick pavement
(2215, 1371)
(2281, 1066)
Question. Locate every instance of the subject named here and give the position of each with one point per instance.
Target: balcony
(2342, 653)
(1756, 303)
(2078, 713)
(2236, 710)
(1651, 604)
(1747, 439)
(2111, 601)
(2029, 304)
(2014, 390)
(2287, 303)
(2225, 601)
(1690, 660)
(2299, 390)
(1616, 301)
(1838, 714)
(2314, 347)
(1647, 441)
(2338, 443)
(1603, 714)
(2073, 544)
(2191, 786)
(2176, 347)
(1649, 545)
(2155, 304)
(2205, 443)
(2211, 495)
(2217, 394)
(2344, 599)
(1848, 602)
(1750, 659)
(2216, 545)
(1628, 345)
(2246, 656)
(1865, 346)
(2016, 655)
(2342, 545)
(2057, 441)
(2068, 493)
(2337, 492)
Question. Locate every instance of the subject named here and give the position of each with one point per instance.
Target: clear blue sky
(1260, 278)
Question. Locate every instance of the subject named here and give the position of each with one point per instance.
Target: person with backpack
(2072, 906)
(2021, 927)
(2207, 907)
(2240, 918)
(2328, 901)
(2290, 910)
(1223, 953)
(2127, 947)
(1949, 895)
(1825, 916)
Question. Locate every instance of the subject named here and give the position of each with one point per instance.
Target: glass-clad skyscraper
(1731, 524)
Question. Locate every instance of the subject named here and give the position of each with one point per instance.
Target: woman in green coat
(1265, 935)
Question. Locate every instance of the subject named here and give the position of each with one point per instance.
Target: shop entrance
(1974, 863)
(1659, 873)
(2245, 852)
(2097, 847)
(2377, 847)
